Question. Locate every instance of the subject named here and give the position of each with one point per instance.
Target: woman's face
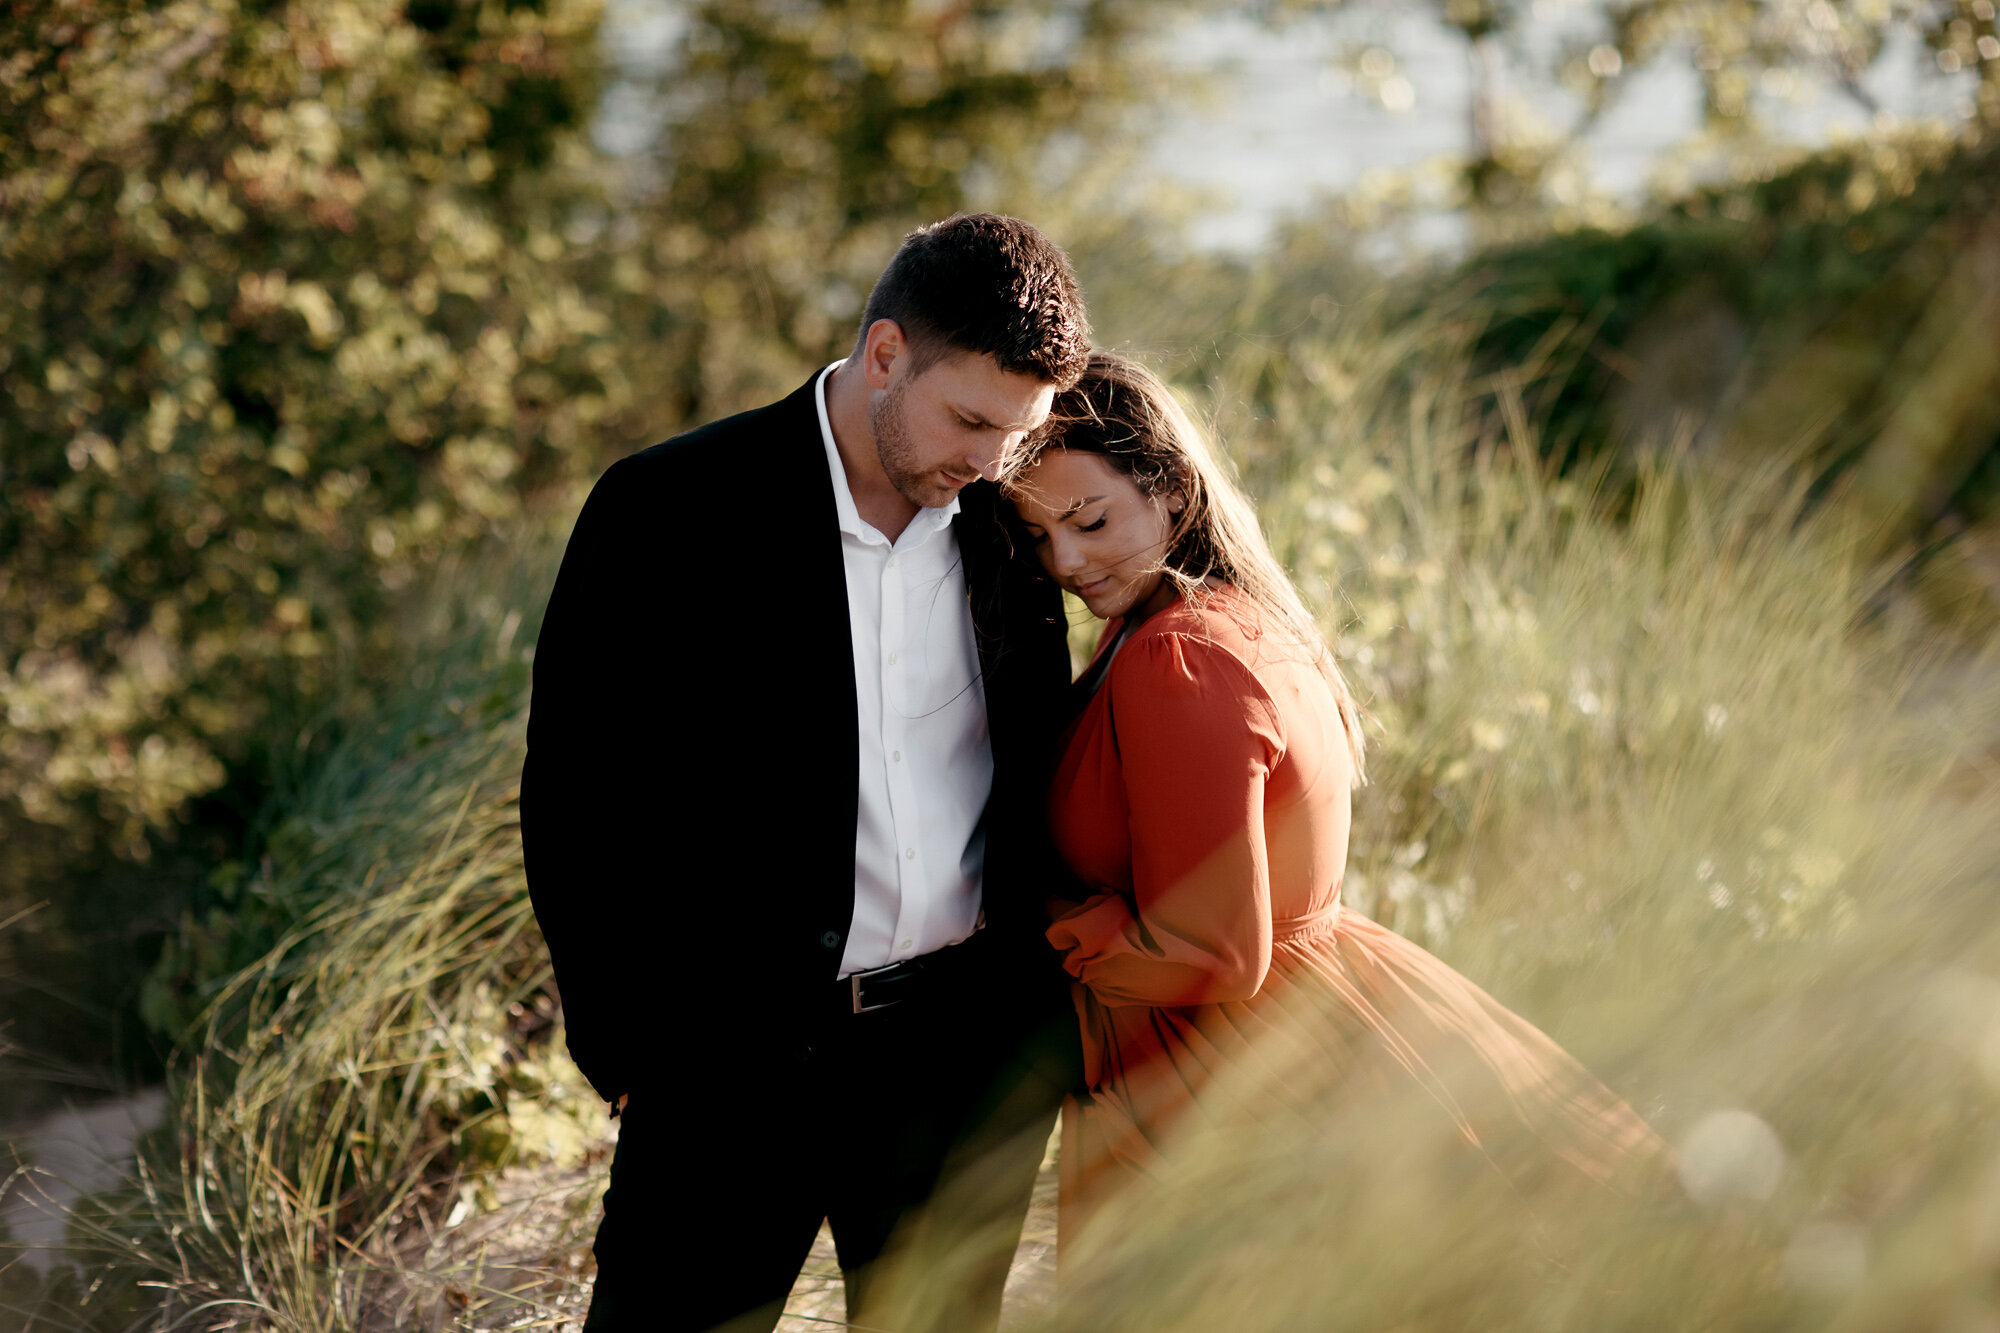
(1096, 533)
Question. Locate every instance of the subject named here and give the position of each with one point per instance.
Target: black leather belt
(881, 987)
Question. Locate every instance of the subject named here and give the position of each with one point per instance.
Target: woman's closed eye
(1092, 527)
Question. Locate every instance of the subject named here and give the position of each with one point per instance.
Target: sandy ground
(510, 1251)
(515, 1254)
(46, 1169)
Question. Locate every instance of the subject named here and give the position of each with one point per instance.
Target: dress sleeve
(1197, 737)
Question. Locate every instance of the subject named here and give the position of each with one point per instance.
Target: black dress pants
(915, 1131)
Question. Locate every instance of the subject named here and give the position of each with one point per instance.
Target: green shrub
(366, 1018)
(1667, 775)
(1673, 778)
(1834, 311)
(299, 298)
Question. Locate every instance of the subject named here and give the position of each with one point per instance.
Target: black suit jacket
(689, 800)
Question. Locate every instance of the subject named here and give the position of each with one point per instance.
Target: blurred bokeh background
(1621, 379)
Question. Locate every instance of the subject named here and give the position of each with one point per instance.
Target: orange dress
(1203, 794)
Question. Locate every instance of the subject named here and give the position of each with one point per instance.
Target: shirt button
(906, 944)
(831, 939)
(909, 853)
(895, 756)
(892, 659)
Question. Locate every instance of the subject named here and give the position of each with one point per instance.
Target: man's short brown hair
(990, 285)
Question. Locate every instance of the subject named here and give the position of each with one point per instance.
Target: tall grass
(1663, 764)
(1657, 758)
(339, 1097)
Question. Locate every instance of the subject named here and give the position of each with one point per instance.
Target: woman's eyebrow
(1069, 512)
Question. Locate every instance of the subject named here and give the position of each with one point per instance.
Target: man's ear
(882, 346)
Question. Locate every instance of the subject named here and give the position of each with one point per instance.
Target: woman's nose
(1064, 557)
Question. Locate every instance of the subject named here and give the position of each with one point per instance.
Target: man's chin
(932, 492)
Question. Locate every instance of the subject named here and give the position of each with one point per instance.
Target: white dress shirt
(926, 758)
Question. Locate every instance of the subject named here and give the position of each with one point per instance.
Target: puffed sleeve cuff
(1087, 931)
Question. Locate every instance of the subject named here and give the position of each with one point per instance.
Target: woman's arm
(1196, 737)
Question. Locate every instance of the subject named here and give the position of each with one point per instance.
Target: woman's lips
(1091, 589)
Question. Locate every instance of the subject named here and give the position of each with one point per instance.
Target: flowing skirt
(1351, 1015)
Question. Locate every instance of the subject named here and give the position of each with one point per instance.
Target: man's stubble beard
(898, 452)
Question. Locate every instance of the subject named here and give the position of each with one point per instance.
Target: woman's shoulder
(1219, 633)
(1197, 669)
(1219, 617)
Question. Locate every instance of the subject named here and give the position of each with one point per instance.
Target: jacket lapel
(813, 634)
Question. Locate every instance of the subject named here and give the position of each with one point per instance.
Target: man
(781, 812)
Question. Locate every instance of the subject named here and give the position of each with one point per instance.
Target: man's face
(953, 423)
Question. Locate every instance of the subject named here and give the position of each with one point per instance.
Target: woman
(1202, 795)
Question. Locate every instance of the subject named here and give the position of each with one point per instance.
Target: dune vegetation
(1658, 758)
(1659, 548)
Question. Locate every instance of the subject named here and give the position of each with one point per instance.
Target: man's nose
(990, 460)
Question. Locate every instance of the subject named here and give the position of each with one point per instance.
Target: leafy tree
(1733, 44)
(1844, 311)
(304, 298)
(799, 142)
(300, 298)
(1735, 48)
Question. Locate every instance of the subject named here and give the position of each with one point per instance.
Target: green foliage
(1832, 313)
(1643, 764)
(1733, 45)
(1654, 773)
(372, 1034)
(462, 663)
(1529, 643)
(1523, 172)
(299, 298)
(291, 312)
(801, 142)
(303, 298)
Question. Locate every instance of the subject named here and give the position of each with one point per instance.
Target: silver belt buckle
(854, 988)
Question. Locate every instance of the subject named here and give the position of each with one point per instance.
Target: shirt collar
(927, 521)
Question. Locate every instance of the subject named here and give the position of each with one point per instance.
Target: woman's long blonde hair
(1127, 415)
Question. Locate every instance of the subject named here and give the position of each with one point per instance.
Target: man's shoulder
(792, 420)
(770, 457)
